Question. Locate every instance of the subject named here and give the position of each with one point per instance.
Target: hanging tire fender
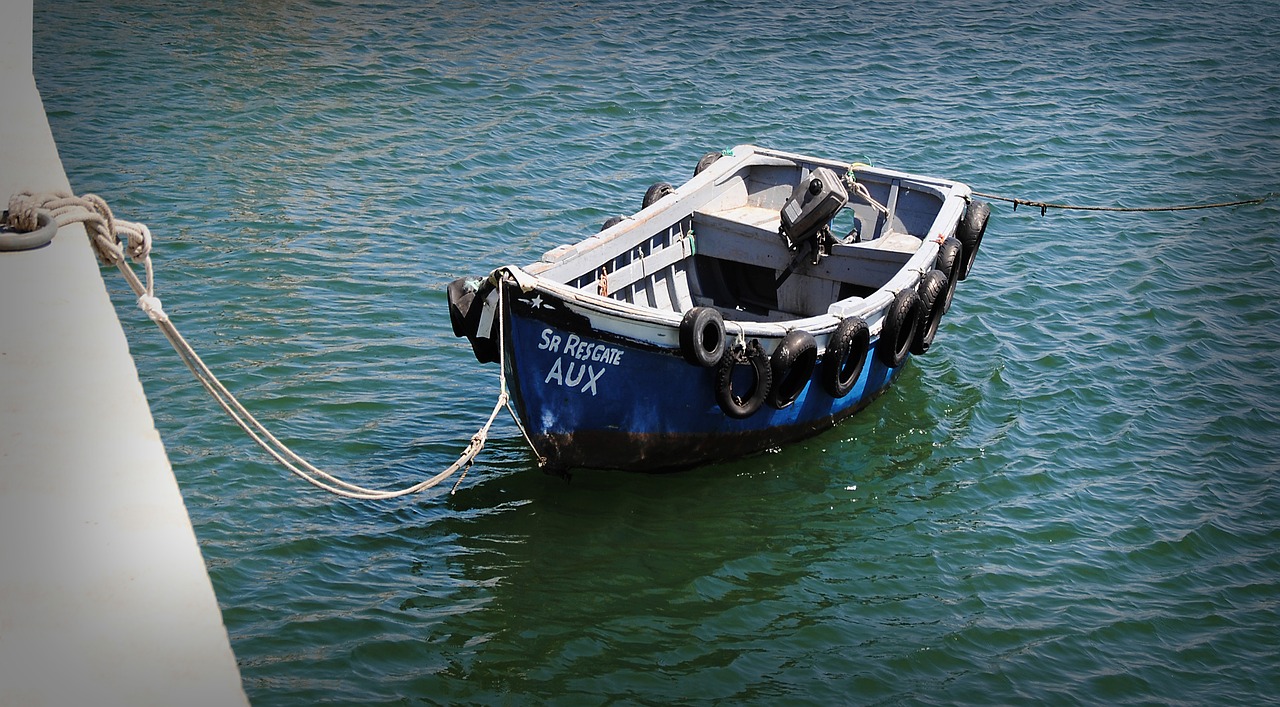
(702, 337)
(970, 230)
(466, 296)
(845, 357)
(743, 406)
(950, 258)
(899, 328)
(656, 192)
(706, 161)
(932, 291)
(791, 367)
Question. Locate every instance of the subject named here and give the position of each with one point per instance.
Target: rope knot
(100, 224)
(67, 208)
(24, 212)
(138, 239)
(151, 305)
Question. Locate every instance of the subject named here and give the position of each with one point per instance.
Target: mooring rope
(105, 233)
(1044, 206)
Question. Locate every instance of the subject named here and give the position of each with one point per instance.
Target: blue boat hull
(593, 399)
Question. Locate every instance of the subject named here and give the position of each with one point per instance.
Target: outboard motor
(806, 217)
(812, 205)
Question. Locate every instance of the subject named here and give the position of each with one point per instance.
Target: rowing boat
(763, 301)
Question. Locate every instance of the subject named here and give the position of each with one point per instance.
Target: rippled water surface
(1073, 497)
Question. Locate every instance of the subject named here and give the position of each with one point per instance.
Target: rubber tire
(706, 161)
(611, 222)
(656, 192)
(466, 305)
(970, 231)
(848, 345)
(735, 406)
(932, 290)
(899, 329)
(699, 326)
(948, 261)
(791, 367)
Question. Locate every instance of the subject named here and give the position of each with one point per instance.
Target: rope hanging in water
(1045, 206)
(105, 231)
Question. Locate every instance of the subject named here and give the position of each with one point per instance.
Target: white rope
(542, 460)
(861, 190)
(105, 231)
(851, 181)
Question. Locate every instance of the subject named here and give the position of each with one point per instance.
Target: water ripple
(1071, 498)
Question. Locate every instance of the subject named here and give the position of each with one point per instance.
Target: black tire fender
(466, 297)
(611, 222)
(791, 367)
(656, 192)
(932, 291)
(898, 331)
(743, 406)
(970, 230)
(845, 357)
(950, 258)
(706, 161)
(702, 336)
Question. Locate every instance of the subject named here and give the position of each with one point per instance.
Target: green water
(1072, 498)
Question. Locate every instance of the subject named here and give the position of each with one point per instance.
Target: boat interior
(721, 246)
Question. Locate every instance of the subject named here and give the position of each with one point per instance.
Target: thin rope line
(1044, 205)
(502, 365)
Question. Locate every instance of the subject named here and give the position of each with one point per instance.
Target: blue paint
(568, 380)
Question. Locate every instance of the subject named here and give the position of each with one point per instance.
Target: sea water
(1072, 498)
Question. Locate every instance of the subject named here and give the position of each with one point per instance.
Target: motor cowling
(811, 206)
